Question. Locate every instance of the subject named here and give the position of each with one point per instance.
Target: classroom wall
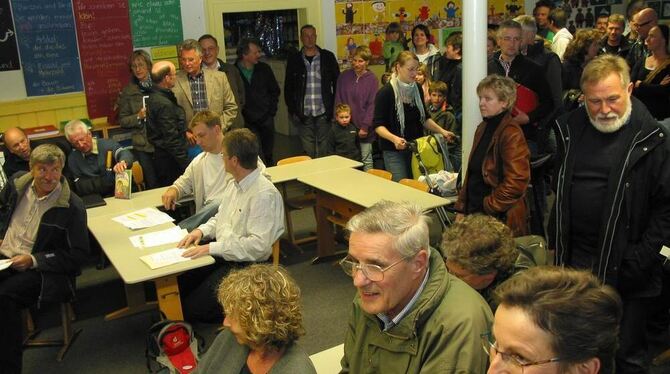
(198, 17)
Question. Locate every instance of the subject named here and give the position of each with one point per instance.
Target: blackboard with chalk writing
(48, 46)
(103, 30)
(155, 22)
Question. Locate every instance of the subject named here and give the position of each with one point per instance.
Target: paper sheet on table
(164, 258)
(152, 239)
(143, 218)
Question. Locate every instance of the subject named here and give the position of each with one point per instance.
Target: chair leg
(69, 334)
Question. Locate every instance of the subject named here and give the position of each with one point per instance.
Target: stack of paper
(4, 264)
(164, 258)
(143, 218)
(152, 239)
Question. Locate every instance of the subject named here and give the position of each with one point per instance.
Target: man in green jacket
(409, 315)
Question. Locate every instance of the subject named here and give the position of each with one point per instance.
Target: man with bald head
(643, 21)
(166, 125)
(17, 151)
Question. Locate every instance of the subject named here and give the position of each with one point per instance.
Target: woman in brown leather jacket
(499, 167)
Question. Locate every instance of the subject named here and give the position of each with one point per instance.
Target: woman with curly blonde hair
(582, 49)
(263, 321)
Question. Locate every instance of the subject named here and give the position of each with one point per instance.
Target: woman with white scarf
(400, 116)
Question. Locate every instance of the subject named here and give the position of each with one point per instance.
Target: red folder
(526, 99)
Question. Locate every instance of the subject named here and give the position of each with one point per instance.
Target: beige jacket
(220, 97)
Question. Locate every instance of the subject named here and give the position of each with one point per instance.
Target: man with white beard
(612, 208)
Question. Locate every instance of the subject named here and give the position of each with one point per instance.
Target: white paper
(4, 264)
(164, 258)
(665, 251)
(152, 239)
(143, 218)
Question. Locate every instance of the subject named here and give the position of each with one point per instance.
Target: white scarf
(405, 93)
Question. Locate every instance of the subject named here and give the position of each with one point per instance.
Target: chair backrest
(415, 184)
(381, 173)
(138, 176)
(291, 160)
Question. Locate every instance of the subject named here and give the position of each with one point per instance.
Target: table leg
(325, 235)
(167, 291)
(137, 302)
(326, 204)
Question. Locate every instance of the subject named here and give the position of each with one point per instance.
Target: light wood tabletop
(289, 172)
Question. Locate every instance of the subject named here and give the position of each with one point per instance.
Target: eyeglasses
(375, 273)
(512, 360)
(511, 38)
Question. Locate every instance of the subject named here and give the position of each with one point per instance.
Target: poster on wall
(103, 30)
(48, 46)
(364, 22)
(9, 52)
(156, 22)
(582, 14)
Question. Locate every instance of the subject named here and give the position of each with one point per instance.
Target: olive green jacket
(440, 334)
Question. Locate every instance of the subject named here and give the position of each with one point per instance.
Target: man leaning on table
(205, 177)
(43, 231)
(249, 220)
(409, 315)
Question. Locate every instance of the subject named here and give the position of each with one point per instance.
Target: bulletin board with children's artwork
(365, 22)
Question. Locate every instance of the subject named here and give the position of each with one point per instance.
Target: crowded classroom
(296, 186)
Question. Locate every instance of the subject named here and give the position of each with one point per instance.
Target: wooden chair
(138, 176)
(381, 173)
(308, 200)
(415, 184)
(69, 333)
(275, 253)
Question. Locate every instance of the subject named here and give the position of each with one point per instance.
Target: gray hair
(47, 154)
(527, 23)
(190, 45)
(405, 221)
(74, 127)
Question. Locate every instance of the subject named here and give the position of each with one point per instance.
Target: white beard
(610, 127)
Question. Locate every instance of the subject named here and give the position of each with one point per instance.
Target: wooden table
(350, 191)
(113, 238)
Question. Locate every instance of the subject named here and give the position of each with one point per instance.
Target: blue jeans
(206, 212)
(366, 156)
(398, 163)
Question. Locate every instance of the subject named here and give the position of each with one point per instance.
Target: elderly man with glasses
(409, 315)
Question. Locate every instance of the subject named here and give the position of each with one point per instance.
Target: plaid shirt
(198, 92)
(313, 103)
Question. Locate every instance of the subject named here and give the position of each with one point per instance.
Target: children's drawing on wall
(385, 26)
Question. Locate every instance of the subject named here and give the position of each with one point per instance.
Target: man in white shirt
(562, 37)
(205, 177)
(249, 220)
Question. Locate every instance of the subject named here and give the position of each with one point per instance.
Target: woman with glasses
(554, 320)
(262, 324)
(133, 112)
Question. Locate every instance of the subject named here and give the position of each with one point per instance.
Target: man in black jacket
(612, 207)
(44, 238)
(509, 62)
(309, 90)
(166, 125)
(261, 95)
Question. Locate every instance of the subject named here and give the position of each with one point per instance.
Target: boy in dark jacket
(440, 111)
(342, 138)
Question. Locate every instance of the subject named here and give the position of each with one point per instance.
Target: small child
(443, 114)
(385, 78)
(342, 138)
(440, 111)
(394, 44)
(423, 79)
